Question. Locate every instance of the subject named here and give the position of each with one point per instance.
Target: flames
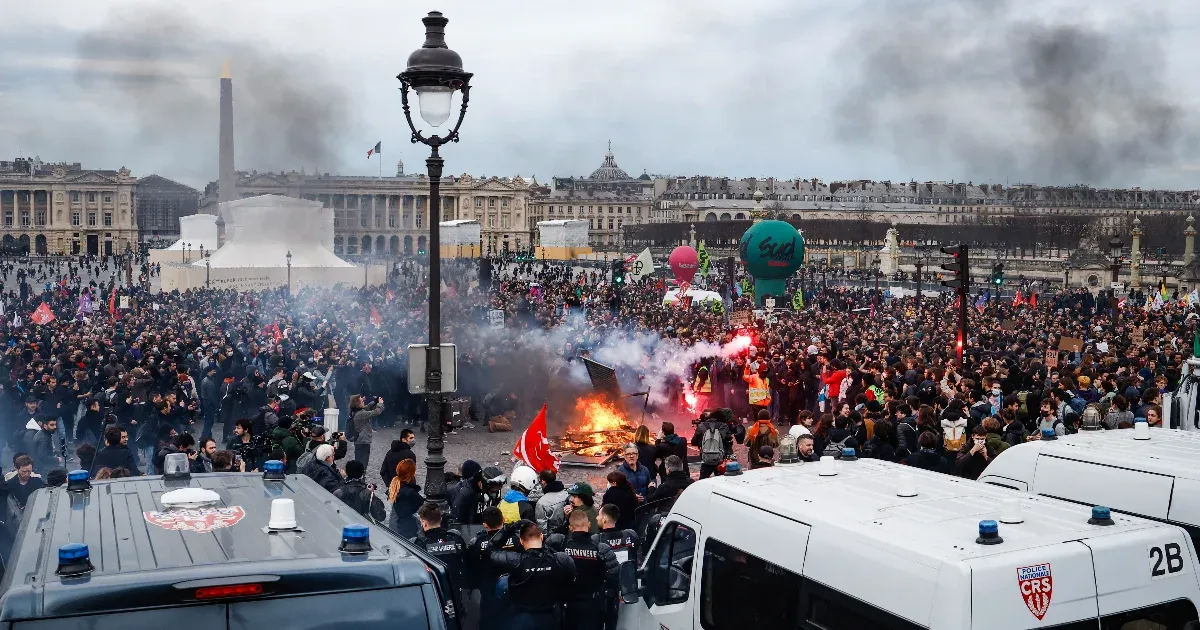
(598, 429)
(689, 398)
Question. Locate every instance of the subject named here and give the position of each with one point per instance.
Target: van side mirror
(629, 582)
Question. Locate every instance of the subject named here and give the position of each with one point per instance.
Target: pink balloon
(684, 263)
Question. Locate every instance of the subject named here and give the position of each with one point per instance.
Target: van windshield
(385, 608)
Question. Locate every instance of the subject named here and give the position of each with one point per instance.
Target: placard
(496, 318)
(1070, 344)
(1008, 324)
(124, 301)
(741, 318)
(1137, 336)
(1052, 359)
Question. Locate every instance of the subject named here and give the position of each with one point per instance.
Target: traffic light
(959, 268)
(618, 272)
(998, 274)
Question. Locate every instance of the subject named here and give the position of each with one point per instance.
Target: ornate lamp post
(1114, 247)
(875, 273)
(435, 73)
(289, 267)
(207, 269)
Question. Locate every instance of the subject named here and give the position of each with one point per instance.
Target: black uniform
(449, 547)
(624, 543)
(494, 613)
(596, 572)
(538, 580)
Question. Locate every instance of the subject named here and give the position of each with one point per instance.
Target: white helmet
(524, 478)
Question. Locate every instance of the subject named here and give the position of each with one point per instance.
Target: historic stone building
(160, 202)
(66, 209)
(608, 199)
(390, 215)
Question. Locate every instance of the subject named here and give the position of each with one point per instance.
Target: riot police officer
(446, 545)
(596, 573)
(624, 543)
(538, 578)
(494, 613)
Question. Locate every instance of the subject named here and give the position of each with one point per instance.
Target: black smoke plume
(288, 111)
(1001, 93)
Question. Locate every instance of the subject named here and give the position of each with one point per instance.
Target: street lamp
(289, 266)
(183, 247)
(435, 73)
(875, 272)
(207, 269)
(1164, 269)
(1114, 247)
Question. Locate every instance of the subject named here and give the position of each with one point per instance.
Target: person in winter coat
(114, 455)
(638, 475)
(880, 444)
(549, 508)
(465, 498)
(758, 388)
(669, 444)
(973, 459)
(583, 498)
(210, 399)
(361, 417)
(322, 469)
(360, 496)
(927, 455)
(621, 494)
(39, 443)
(761, 433)
(405, 496)
(1014, 430)
(993, 435)
(282, 437)
(676, 481)
(1118, 413)
(400, 450)
(647, 453)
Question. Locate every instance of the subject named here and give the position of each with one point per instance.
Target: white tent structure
(197, 230)
(699, 296)
(260, 231)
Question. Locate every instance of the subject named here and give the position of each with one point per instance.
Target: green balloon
(771, 251)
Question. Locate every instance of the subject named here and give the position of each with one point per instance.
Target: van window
(829, 609)
(741, 591)
(1167, 616)
(211, 616)
(385, 608)
(670, 565)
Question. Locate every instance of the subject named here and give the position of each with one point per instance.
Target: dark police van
(223, 550)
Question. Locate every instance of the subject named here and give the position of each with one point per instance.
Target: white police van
(1145, 471)
(869, 544)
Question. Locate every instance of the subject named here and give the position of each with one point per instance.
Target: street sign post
(417, 357)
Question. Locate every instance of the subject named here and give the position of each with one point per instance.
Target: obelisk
(227, 177)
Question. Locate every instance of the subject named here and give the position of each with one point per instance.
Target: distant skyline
(1050, 92)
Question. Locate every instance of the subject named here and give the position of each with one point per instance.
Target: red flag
(1017, 301)
(1033, 300)
(276, 333)
(43, 315)
(112, 303)
(390, 296)
(533, 448)
(375, 317)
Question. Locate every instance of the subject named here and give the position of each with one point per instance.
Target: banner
(703, 257)
(798, 300)
(43, 315)
(642, 265)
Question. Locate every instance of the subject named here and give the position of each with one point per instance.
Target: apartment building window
(504, 222)
(107, 219)
(391, 220)
(92, 219)
(24, 218)
(419, 220)
(504, 202)
(41, 217)
(491, 202)
(74, 197)
(74, 217)
(492, 221)
(107, 197)
(610, 224)
(362, 220)
(91, 197)
(479, 202)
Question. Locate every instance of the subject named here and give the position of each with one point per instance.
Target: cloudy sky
(1100, 92)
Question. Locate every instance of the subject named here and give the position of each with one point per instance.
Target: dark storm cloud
(1004, 94)
(155, 63)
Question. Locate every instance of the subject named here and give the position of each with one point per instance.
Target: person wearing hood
(91, 423)
(549, 508)
(114, 455)
(400, 450)
(974, 458)
(515, 505)
(465, 498)
(210, 399)
(39, 443)
(927, 455)
(761, 433)
(674, 482)
(281, 436)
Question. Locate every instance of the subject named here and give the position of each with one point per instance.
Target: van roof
(1168, 451)
(135, 544)
(941, 522)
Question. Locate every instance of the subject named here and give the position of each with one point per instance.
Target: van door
(1142, 568)
(668, 598)
(1031, 588)
(1131, 491)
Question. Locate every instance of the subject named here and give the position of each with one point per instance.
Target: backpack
(304, 460)
(1023, 410)
(847, 383)
(834, 449)
(351, 430)
(712, 447)
(1077, 404)
(954, 444)
(926, 391)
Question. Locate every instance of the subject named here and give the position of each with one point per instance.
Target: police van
(1146, 471)
(233, 550)
(868, 544)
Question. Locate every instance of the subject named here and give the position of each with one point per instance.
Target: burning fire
(597, 415)
(689, 398)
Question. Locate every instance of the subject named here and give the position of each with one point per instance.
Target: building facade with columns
(608, 200)
(66, 209)
(389, 216)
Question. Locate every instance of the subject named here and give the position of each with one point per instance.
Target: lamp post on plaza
(1066, 267)
(1164, 270)
(207, 269)
(435, 73)
(183, 247)
(289, 267)
(1114, 247)
(875, 273)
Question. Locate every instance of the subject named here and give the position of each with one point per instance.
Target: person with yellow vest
(758, 388)
(702, 387)
(515, 506)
